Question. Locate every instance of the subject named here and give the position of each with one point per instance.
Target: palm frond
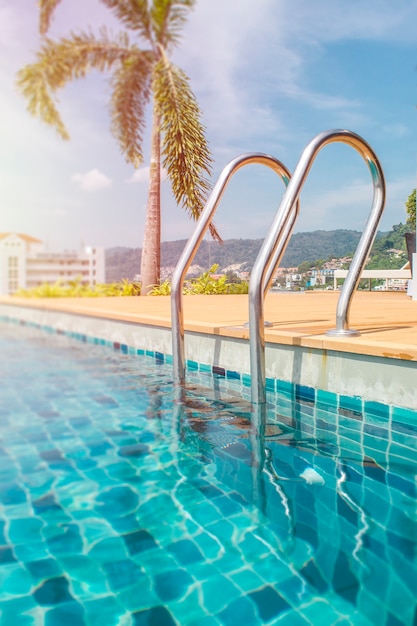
(135, 14)
(131, 91)
(186, 155)
(59, 62)
(168, 18)
(46, 10)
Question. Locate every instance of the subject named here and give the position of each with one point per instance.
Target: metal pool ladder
(274, 247)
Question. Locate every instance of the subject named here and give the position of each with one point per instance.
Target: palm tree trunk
(151, 249)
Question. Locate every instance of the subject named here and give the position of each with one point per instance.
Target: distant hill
(320, 244)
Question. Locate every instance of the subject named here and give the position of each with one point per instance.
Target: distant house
(321, 277)
(25, 264)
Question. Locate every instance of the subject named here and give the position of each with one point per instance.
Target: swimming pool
(120, 505)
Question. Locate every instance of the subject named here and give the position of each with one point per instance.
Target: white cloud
(94, 180)
(141, 175)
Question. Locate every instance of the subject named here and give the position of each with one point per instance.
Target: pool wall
(372, 378)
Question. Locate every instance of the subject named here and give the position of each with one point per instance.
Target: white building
(24, 263)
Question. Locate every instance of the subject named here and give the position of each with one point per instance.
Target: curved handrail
(262, 263)
(191, 247)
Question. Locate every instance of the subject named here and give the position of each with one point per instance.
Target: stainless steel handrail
(190, 250)
(277, 239)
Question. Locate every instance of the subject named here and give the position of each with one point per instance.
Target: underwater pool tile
(252, 548)
(104, 549)
(273, 570)
(401, 601)
(69, 614)
(391, 620)
(404, 454)
(27, 529)
(246, 579)
(135, 450)
(67, 541)
(122, 573)
(172, 584)
(345, 582)
(12, 494)
(13, 611)
(217, 593)
(155, 616)
(227, 506)
(377, 410)
(117, 502)
(312, 574)
(210, 620)
(206, 513)
(185, 551)
(292, 618)
(210, 547)
(269, 602)
(53, 591)
(7, 555)
(370, 606)
(105, 610)
(44, 568)
(404, 439)
(321, 611)
(139, 541)
(157, 560)
(26, 552)
(222, 529)
(240, 611)
(407, 487)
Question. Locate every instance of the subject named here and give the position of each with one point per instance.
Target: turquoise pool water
(120, 505)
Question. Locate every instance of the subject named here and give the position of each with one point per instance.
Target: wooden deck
(387, 321)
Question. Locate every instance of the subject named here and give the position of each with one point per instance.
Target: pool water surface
(123, 504)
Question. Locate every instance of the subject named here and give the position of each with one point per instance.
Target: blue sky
(269, 75)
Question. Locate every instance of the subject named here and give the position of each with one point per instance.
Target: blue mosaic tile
(286, 387)
(44, 568)
(185, 551)
(122, 574)
(317, 516)
(305, 393)
(68, 541)
(53, 591)
(240, 611)
(156, 616)
(139, 541)
(7, 555)
(270, 384)
(12, 494)
(172, 585)
(269, 603)
(117, 502)
(378, 410)
(70, 614)
(246, 379)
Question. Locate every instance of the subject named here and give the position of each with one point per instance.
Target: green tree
(138, 75)
(410, 206)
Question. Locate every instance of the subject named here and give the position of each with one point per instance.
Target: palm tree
(137, 75)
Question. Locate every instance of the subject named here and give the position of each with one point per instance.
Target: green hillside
(320, 244)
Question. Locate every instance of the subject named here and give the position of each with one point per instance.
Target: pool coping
(297, 352)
